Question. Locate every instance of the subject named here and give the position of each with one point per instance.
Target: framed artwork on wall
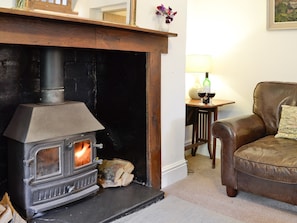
(282, 14)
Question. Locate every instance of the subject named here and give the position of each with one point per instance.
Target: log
(110, 170)
(115, 173)
(126, 178)
(127, 166)
(5, 214)
(16, 218)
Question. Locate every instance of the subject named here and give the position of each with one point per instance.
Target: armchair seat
(269, 158)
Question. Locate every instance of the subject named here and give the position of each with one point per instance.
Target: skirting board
(174, 172)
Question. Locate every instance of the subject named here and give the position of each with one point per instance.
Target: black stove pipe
(52, 75)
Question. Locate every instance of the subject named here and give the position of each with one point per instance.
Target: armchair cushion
(268, 158)
(288, 123)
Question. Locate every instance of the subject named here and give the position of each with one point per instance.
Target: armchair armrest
(233, 133)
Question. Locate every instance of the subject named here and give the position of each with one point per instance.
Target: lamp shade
(196, 63)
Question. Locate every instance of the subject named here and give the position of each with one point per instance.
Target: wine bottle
(206, 84)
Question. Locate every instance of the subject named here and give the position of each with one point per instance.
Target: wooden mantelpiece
(32, 28)
(40, 29)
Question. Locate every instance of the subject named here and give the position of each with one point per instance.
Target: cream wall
(244, 51)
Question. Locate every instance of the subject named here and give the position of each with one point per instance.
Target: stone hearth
(120, 202)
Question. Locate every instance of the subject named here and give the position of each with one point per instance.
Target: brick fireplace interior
(114, 69)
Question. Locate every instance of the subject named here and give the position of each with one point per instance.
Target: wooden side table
(201, 120)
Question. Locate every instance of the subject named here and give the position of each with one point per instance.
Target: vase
(163, 26)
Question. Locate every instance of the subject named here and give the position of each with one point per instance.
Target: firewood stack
(115, 173)
(8, 213)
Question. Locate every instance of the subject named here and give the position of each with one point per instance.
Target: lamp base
(193, 93)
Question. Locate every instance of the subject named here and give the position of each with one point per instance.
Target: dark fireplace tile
(108, 205)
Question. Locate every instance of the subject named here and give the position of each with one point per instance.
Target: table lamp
(196, 63)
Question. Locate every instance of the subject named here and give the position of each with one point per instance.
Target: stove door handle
(99, 145)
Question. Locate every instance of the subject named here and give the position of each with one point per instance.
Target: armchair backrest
(268, 98)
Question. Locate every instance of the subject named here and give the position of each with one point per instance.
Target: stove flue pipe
(52, 75)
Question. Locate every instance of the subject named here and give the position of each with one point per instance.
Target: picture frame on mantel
(282, 14)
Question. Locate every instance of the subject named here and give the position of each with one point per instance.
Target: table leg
(209, 132)
(215, 117)
(195, 133)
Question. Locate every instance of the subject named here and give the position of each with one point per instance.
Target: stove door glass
(48, 162)
(82, 153)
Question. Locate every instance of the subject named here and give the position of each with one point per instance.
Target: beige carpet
(203, 187)
(175, 210)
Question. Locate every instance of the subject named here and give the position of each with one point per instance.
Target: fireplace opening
(112, 84)
(121, 106)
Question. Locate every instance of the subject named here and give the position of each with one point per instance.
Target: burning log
(115, 173)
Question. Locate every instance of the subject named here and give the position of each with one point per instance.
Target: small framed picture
(282, 14)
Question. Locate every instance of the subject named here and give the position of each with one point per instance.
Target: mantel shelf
(77, 19)
(25, 27)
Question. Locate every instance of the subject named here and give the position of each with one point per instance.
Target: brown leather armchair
(252, 158)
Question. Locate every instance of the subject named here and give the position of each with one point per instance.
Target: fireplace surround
(35, 29)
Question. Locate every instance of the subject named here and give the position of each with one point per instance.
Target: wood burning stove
(50, 173)
(51, 146)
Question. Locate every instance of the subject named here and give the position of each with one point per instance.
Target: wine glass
(201, 95)
(211, 95)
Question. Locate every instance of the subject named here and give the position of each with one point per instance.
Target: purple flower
(167, 12)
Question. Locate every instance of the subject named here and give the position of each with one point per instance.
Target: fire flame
(82, 153)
